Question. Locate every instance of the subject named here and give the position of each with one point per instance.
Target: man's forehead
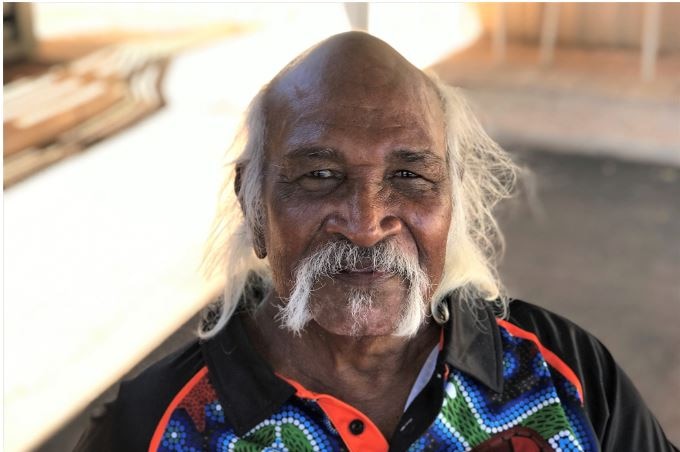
(357, 85)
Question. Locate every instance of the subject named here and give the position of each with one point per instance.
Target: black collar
(245, 383)
(472, 343)
(250, 392)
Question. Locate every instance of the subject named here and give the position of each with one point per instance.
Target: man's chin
(355, 330)
(369, 321)
(360, 304)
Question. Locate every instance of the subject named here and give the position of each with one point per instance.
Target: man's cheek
(283, 271)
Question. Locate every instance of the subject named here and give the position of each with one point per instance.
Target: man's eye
(405, 173)
(320, 180)
(321, 174)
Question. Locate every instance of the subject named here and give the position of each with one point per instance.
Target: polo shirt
(531, 382)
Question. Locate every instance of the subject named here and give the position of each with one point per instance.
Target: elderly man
(361, 309)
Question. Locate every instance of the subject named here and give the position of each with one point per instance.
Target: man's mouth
(360, 270)
(362, 276)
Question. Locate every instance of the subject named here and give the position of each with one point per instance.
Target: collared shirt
(534, 382)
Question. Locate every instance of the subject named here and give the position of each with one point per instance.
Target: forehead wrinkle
(427, 156)
(360, 124)
(312, 152)
(327, 140)
(310, 123)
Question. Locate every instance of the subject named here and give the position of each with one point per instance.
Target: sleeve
(100, 434)
(128, 423)
(624, 422)
(620, 418)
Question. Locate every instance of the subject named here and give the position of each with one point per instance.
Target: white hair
(342, 255)
(481, 174)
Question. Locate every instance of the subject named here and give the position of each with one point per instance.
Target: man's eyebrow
(314, 152)
(409, 156)
(425, 156)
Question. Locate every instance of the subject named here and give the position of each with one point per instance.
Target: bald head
(348, 59)
(363, 78)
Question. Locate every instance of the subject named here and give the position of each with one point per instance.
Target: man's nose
(364, 217)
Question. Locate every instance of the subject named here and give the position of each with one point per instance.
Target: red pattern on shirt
(195, 402)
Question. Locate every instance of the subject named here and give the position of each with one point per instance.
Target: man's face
(357, 158)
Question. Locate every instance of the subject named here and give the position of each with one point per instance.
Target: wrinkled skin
(355, 148)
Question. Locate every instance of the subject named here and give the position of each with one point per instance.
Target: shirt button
(356, 427)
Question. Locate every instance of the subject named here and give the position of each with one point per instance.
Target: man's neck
(373, 373)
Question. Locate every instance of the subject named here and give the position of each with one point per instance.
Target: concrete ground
(598, 243)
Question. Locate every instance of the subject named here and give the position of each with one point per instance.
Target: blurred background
(116, 117)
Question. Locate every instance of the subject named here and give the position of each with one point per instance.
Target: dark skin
(355, 149)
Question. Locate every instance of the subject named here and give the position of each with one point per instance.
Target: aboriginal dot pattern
(535, 396)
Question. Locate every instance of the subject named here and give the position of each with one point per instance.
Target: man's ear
(259, 243)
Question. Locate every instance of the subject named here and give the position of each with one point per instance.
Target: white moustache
(343, 256)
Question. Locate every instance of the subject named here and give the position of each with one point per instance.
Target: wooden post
(499, 35)
(358, 15)
(650, 41)
(18, 37)
(549, 33)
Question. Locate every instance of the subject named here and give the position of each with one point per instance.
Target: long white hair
(481, 173)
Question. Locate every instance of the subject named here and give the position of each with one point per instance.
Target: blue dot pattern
(534, 396)
(510, 364)
(179, 434)
(299, 425)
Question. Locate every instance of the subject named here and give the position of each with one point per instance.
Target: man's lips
(363, 276)
(361, 270)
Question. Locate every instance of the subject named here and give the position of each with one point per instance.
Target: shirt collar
(245, 383)
(250, 392)
(472, 342)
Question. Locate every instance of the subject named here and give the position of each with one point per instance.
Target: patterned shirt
(497, 386)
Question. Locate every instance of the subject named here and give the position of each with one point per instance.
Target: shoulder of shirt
(580, 350)
(542, 321)
(559, 334)
(129, 422)
(610, 399)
